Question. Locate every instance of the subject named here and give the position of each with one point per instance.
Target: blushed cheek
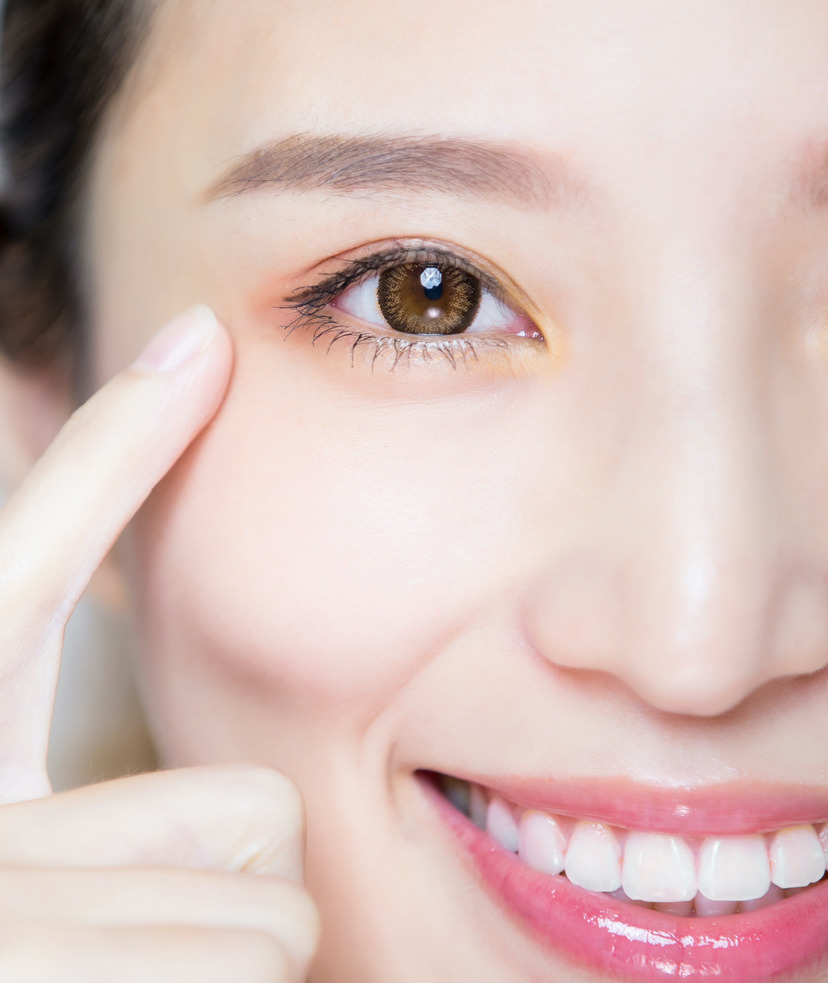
(321, 550)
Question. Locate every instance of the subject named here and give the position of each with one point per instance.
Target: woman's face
(578, 553)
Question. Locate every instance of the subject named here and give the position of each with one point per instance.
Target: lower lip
(639, 944)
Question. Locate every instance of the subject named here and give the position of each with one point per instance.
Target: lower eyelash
(457, 350)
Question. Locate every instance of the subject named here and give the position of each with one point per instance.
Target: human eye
(411, 301)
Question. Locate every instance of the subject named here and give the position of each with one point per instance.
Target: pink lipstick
(634, 941)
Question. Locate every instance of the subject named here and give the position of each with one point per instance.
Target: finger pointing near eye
(62, 520)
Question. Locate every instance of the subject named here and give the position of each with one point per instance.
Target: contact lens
(417, 298)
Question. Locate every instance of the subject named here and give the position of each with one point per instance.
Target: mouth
(745, 898)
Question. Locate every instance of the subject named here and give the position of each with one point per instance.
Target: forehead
(474, 64)
(632, 88)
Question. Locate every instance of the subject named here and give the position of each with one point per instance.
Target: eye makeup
(412, 303)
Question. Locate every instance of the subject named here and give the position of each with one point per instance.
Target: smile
(716, 875)
(704, 885)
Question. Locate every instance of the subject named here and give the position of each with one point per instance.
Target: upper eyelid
(359, 268)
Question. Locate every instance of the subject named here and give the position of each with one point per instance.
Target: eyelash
(313, 303)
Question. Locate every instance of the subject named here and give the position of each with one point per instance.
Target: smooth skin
(601, 557)
(189, 875)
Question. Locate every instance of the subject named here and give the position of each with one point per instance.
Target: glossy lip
(738, 807)
(636, 943)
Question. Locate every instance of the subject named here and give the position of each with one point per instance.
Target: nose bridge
(699, 553)
(686, 578)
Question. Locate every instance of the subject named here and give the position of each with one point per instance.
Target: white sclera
(361, 301)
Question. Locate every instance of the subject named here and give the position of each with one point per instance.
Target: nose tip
(733, 653)
(704, 646)
(699, 647)
(686, 687)
(692, 625)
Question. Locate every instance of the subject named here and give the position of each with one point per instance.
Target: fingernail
(181, 340)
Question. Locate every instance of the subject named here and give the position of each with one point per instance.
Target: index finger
(62, 520)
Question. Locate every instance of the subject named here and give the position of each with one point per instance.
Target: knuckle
(286, 912)
(260, 957)
(273, 794)
(271, 816)
(290, 904)
(306, 924)
(277, 906)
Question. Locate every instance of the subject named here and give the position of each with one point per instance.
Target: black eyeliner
(329, 287)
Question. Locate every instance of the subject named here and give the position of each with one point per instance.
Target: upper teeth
(717, 871)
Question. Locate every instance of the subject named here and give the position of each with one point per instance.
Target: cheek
(328, 545)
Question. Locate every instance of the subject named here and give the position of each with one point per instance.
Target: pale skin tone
(602, 554)
(162, 875)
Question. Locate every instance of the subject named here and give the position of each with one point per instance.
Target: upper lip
(728, 808)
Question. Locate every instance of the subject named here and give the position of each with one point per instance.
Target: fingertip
(181, 341)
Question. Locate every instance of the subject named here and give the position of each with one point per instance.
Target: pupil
(419, 299)
(432, 280)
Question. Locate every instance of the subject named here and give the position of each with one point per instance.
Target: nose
(692, 576)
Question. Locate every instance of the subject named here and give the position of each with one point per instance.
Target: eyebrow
(344, 164)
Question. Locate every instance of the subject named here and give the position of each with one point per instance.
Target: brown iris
(421, 298)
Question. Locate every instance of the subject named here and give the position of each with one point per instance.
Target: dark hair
(62, 63)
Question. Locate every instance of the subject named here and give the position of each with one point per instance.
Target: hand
(174, 876)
